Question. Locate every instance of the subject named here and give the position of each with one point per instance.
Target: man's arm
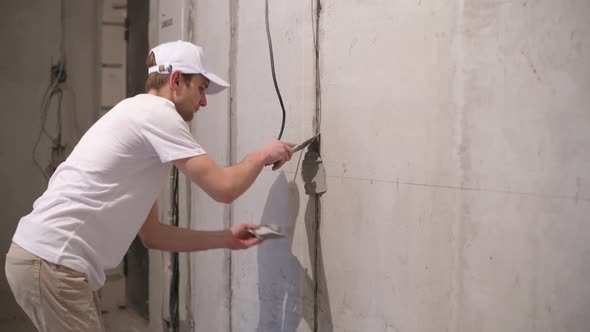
(154, 235)
(226, 184)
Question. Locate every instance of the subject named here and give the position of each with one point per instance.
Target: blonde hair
(156, 81)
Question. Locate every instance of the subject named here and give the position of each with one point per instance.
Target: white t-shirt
(98, 199)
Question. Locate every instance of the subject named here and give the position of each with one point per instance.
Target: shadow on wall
(286, 290)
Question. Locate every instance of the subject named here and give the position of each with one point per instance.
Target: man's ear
(174, 80)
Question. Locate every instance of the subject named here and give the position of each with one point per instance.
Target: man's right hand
(228, 183)
(276, 153)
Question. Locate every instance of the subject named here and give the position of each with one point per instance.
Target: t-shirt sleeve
(169, 136)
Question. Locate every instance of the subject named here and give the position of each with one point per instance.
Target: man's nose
(203, 100)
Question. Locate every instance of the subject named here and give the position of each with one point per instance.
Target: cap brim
(216, 84)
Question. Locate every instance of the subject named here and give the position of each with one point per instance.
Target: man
(104, 194)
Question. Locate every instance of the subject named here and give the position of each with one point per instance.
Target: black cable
(53, 89)
(58, 140)
(272, 69)
(174, 281)
(44, 105)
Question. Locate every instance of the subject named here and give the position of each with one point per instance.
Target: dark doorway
(137, 259)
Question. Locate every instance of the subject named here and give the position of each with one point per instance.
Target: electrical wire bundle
(175, 278)
(55, 90)
(58, 149)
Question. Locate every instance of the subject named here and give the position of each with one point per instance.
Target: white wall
(455, 136)
(29, 34)
(229, 129)
(466, 150)
(272, 285)
(211, 270)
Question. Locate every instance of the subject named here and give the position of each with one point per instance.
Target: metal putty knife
(305, 143)
(267, 232)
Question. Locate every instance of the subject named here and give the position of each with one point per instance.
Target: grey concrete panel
(210, 271)
(272, 285)
(388, 256)
(523, 263)
(525, 76)
(454, 137)
(507, 133)
(387, 91)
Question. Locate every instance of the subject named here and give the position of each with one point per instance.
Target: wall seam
(316, 129)
(232, 156)
(191, 36)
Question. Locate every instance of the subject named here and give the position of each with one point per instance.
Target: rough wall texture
(211, 270)
(455, 136)
(29, 34)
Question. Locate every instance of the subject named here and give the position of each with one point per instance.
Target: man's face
(189, 97)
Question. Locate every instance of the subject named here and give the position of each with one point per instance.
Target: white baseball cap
(185, 57)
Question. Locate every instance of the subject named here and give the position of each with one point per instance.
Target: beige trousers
(55, 297)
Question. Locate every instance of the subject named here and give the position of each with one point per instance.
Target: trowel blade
(265, 232)
(305, 143)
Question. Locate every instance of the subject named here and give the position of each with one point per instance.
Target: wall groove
(233, 136)
(316, 128)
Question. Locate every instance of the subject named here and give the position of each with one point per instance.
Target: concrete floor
(119, 320)
(125, 320)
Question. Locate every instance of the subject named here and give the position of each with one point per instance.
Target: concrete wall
(455, 136)
(236, 291)
(210, 271)
(29, 34)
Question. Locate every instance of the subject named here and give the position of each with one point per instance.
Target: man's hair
(156, 80)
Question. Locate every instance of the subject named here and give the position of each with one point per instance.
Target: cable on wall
(55, 89)
(175, 278)
(273, 71)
